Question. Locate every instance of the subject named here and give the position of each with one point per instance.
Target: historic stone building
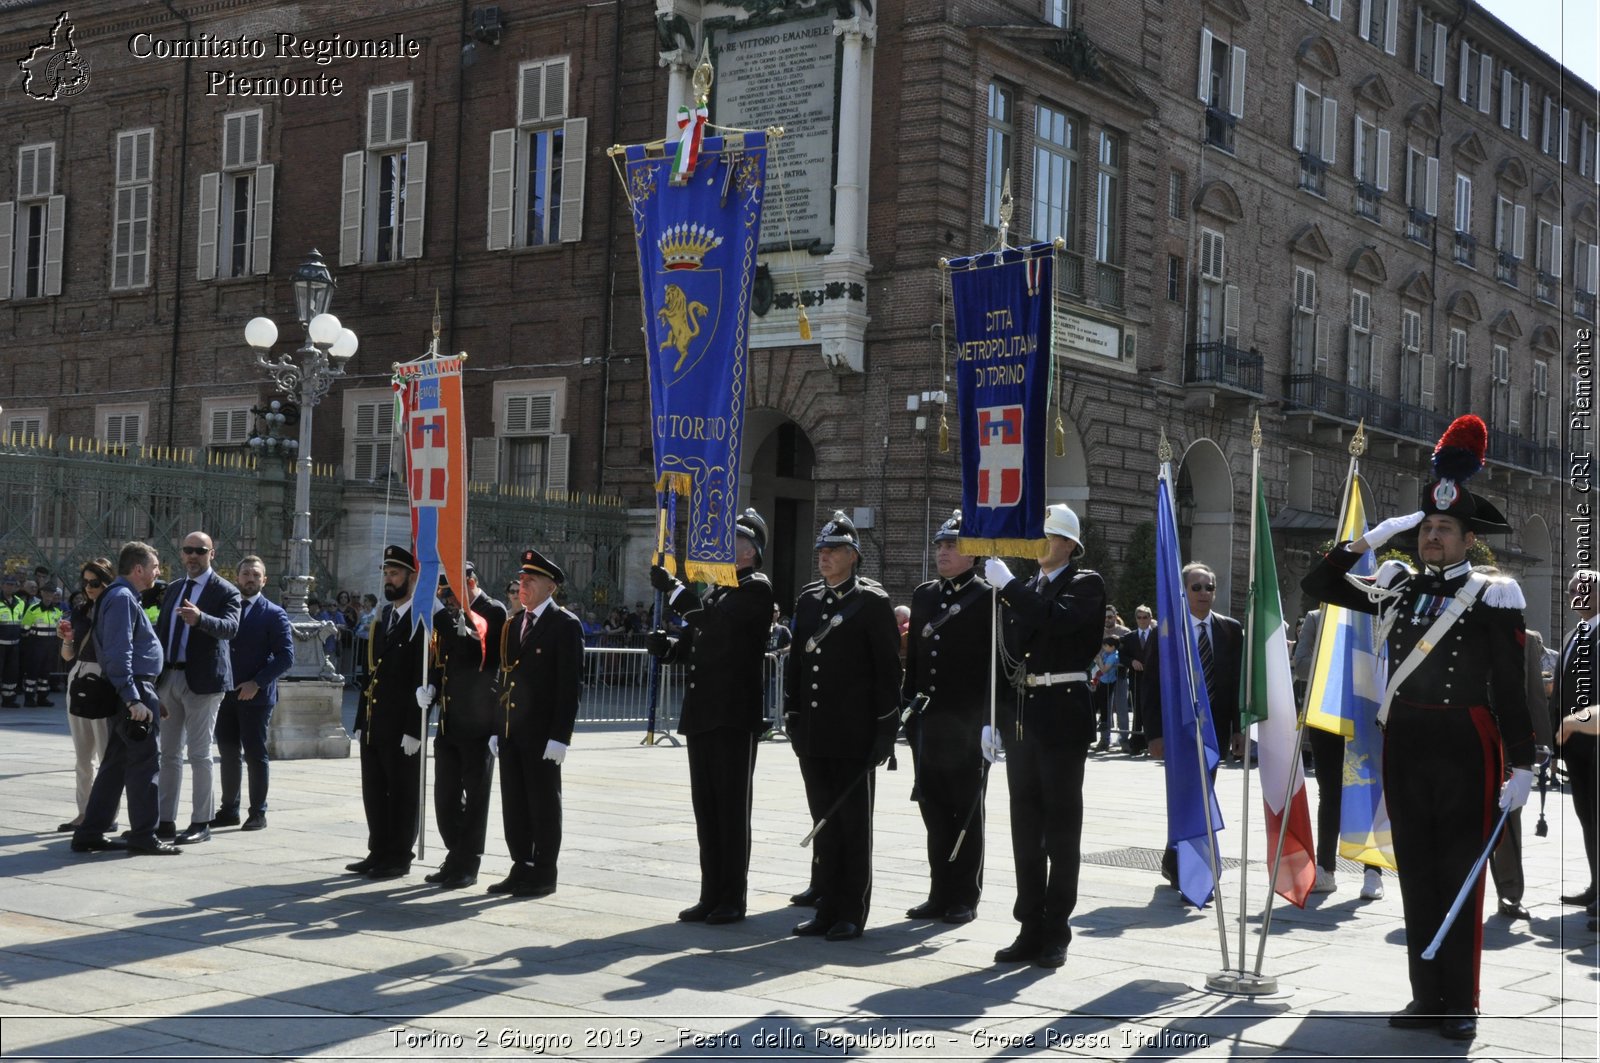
(1316, 212)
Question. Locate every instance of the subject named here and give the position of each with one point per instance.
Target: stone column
(849, 239)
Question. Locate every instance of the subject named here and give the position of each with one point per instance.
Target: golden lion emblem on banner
(682, 318)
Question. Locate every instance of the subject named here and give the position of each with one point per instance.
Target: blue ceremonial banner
(697, 259)
(1183, 697)
(1003, 307)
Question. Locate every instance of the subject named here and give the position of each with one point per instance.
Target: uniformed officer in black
(723, 644)
(467, 648)
(1051, 626)
(389, 722)
(949, 657)
(840, 700)
(1442, 747)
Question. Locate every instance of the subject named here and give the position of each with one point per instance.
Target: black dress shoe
(1459, 1027)
(459, 880)
(505, 885)
(361, 867)
(696, 913)
(812, 928)
(193, 835)
(528, 888)
(225, 819)
(255, 821)
(929, 909)
(70, 825)
(1022, 950)
(153, 847)
(438, 876)
(843, 931)
(806, 898)
(957, 914)
(387, 871)
(166, 830)
(1583, 899)
(1513, 910)
(1051, 956)
(723, 914)
(1415, 1017)
(98, 843)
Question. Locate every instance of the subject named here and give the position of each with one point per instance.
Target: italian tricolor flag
(1269, 704)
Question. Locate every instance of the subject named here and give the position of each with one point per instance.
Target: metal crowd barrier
(616, 688)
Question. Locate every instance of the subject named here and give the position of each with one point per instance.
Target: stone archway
(778, 464)
(1205, 514)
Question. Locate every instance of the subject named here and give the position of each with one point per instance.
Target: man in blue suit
(260, 653)
(198, 614)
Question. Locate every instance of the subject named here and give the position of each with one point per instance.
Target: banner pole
(1277, 856)
(660, 623)
(422, 753)
(1252, 619)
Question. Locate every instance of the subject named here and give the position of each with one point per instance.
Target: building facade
(1323, 213)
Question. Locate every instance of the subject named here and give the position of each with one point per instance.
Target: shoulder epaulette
(1390, 572)
(1503, 592)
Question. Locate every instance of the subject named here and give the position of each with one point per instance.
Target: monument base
(308, 722)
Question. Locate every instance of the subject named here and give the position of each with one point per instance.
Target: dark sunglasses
(197, 549)
(1207, 587)
(93, 584)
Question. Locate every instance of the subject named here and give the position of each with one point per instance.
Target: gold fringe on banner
(723, 574)
(679, 483)
(1032, 548)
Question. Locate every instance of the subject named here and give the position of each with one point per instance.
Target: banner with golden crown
(697, 238)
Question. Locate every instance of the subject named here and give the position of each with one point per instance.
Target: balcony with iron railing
(1219, 129)
(1505, 268)
(1545, 287)
(1583, 304)
(1526, 454)
(1419, 227)
(1345, 402)
(1108, 285)
(1466, 250)
(1070, 279)
(1369, 201)
(1313, 174)
(1222, 363)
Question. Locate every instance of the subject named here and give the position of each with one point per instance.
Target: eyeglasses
(93, 584)
(195, 550)
(1207, 587)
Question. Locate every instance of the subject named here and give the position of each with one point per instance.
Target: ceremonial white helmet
(1060, 520)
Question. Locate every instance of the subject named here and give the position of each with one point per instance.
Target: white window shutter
(54, 243)
(555, 90)
(1352, 366)
(1527, 124)
(1461, 72)
(1416, 51)
(1383, 160)
(1463, 203)
(1236, 84)
(261, 239)
(1299, 117)
(1514, 412)
(1505, 99)
(485, 460)
(1485, 79)
(206, 253)
(1544, 126)
(557, 460)
(1411, 175)
(1375, 367)
(233, 140)
(1319, 356)
(416, 198)
(1518, 224)
(8, 220)
(1565, 133)
(574, 162)
(1593, 280)
(1427, 381)
(1431, 206)
(1330, 130)
(400, 113)
(1555, 252)
(350, 208)
(1204, 89)
(1391, 26)
(1438, 53)
(1365, 29)
(1336, 9)
(1501, 205)
(502, 161)
(1230, 312)
(530, 94)
(377, 118)
(1361, 150)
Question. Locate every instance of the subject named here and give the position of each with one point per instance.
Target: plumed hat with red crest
(1458, 456)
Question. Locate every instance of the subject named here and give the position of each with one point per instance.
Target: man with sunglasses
(198, 614)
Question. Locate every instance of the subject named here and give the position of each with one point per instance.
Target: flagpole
(1165, 454)
(1252, 618)
(660, 622)
(422, 753)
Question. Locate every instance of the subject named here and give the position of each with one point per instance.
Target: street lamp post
(305, 375)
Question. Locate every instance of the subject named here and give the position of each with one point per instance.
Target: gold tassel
(944, 433)
(805, 325)
(1061, 438)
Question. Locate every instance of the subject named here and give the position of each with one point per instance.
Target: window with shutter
(369, 442)
(1360, 311)
(24, 427)
(130, 250)
(33, 227)
(384, 191)
(121, 426)
(1212, 261)
(1411, 330)
(1501, 364)
(1458, 348)
(532, 414)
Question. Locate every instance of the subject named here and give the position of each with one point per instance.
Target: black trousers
(722, 764)
(39, 654)
(130, 764)
(391, 791)
(530, 801)
(463, 776)
(10, 670)
(1441, 778)
(241, 734)
(1046, 787)
(1582, 754)
(950, 789)
(1327, 754)
(842, 871)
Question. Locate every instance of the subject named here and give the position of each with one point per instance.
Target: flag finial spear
(1164, 449)
(1358, 442)
(703, 74)
(1255, 433)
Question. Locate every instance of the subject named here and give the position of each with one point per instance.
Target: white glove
(996, 572)
(494, 745)
(410, 745)
(990, 744)
(1514, 792)
(556, 751)
(1388, 529)
(425, 696)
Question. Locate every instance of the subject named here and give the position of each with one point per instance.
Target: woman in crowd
(89, 737)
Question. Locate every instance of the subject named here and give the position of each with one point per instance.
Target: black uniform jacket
(951, 663)
(843, 692)
(1049, 630)
(724, 646)
(1227, 672)
(467, 671)
(389, 705)
(540, 677)
(1478, 661)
